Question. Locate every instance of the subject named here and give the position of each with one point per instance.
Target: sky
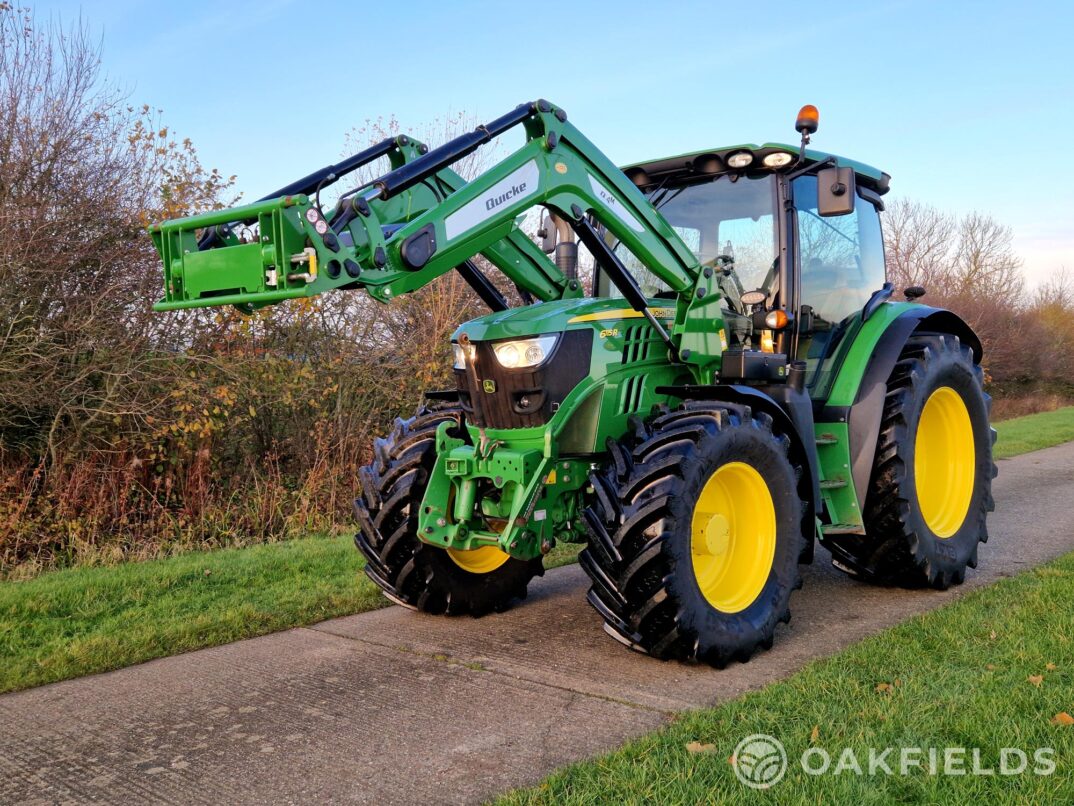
(969, 106)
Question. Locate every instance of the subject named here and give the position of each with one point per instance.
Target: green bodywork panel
(860, 343)
(539, 473)
(521, 489)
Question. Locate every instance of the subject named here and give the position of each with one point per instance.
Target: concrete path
(396, 707)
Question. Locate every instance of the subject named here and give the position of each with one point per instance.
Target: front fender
(793, 417)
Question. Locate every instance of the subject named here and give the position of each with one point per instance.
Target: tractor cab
(820, 262)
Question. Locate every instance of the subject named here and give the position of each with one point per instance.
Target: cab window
(728, 223)
(842, 263)
(842, 257)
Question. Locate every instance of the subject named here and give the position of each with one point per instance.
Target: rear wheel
(931, 486)
(695, 534)
(412, 573)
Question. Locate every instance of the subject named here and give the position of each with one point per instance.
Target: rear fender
(864, 415)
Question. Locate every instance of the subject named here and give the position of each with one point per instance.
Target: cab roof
(713, 161)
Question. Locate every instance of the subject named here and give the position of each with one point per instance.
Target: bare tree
(984, 260)
(951, 257)
(81, 174)
(917, 244)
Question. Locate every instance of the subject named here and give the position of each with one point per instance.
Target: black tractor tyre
(899, 547)
(639, 559)
(412, 573)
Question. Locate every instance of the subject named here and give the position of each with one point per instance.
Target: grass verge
(991, 671)
(1034, 431)
(79, 621)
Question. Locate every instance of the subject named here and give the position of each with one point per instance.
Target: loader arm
(205, 264)
(421, 219)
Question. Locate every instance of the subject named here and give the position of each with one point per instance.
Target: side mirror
(836, 191)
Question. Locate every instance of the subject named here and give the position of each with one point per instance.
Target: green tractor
(737, 385)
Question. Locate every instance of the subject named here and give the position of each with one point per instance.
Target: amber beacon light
(808, 120)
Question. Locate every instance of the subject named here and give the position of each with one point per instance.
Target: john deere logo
(489, 386)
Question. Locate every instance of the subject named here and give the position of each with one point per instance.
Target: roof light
(777, 159)
(808, 120)
(740, 159)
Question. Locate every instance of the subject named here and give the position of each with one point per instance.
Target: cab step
(843, 529)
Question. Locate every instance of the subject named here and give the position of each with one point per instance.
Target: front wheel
(410, 572)
(696, 531)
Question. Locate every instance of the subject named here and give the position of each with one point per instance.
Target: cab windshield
(729, 223)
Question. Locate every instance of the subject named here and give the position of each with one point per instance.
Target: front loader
(739, 384)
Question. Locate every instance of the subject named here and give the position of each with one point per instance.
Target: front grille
(523, 398)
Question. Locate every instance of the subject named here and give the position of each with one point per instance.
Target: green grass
(84, 620)
(1034, 431)
(74, 622)
(955, 677)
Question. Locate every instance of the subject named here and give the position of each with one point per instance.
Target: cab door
(840, 264)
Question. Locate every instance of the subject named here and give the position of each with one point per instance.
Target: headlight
(524, 352)
(460, 355)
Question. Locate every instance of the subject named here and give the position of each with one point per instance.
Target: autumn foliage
(126, 433)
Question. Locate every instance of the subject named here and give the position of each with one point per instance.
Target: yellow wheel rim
(945, 461)
(733, 537)
(479, 561)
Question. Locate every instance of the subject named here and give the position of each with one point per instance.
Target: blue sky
(969, 106)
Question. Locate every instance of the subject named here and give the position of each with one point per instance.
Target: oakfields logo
(760, 761)
(496, 201)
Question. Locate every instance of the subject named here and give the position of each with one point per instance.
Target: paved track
(396, 707)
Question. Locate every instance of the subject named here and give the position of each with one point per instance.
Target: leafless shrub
(968, 264)
(125, 433)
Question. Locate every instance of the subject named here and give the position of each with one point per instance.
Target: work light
(461, 353)
(777, 159)
(740, 159)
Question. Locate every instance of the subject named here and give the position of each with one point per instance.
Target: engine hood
(556, 317)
